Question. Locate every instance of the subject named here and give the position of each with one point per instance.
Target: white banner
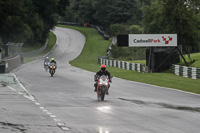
(152, 40)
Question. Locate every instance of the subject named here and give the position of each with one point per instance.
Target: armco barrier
(124, 65)
(188, 72)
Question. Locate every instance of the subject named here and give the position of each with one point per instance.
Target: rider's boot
(95, 90)
(108, 89)
(107, 92)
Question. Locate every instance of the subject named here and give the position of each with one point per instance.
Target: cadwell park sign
(147, 40)
(161, 52)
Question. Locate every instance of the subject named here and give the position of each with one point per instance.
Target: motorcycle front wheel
(103, 91)
(52, 73)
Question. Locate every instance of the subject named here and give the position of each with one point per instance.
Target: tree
(116, 29)
(61, 7)
(107, 12)
(29, 21)
(12, 25)
(114, 11)
(135, 29)
(47, 10)
(135, 52)
(171, 16)
(84, 10)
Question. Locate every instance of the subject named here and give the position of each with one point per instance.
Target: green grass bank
(194, 56)
(95, 46)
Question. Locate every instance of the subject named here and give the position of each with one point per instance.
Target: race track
(131, 107)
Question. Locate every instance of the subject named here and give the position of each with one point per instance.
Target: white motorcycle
(46, 65)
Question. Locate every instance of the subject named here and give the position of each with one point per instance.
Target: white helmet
(47, 57)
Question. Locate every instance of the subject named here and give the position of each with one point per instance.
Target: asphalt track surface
(131, 107)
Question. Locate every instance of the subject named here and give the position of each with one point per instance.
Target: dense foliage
(181, 17)
(106, 12)
(174, 16)
(29, 21)
(127, 53)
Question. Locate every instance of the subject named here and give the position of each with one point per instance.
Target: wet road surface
(131, 107)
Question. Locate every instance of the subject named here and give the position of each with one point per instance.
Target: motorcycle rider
(101, 72)
(46, 61)
(53, 61)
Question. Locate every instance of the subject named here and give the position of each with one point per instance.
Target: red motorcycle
(102, 87)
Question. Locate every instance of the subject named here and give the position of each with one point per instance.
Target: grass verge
(51, 43)
(96, 46)
(194, 56)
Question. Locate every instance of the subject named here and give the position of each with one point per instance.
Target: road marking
(61, 124)
(31, 98)
(37, 103)
(12, 89)
(159, 87)
(52, 116)
(56, 120)
(28, 97)
(41, 108)
(49, 113)
(65, 128)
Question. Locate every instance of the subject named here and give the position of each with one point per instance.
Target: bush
(116, 29)
(127, 53)
(135, 29)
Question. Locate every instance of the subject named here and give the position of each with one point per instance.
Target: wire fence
(13, 49)
(35, 52)
(13, 56)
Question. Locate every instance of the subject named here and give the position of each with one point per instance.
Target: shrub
(135, 29)
(116, 29)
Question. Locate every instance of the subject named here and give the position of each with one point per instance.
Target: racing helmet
(47, 57)
(103, 67)
(52, 59)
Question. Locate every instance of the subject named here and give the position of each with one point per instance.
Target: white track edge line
(160, 87)
(31, 97)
